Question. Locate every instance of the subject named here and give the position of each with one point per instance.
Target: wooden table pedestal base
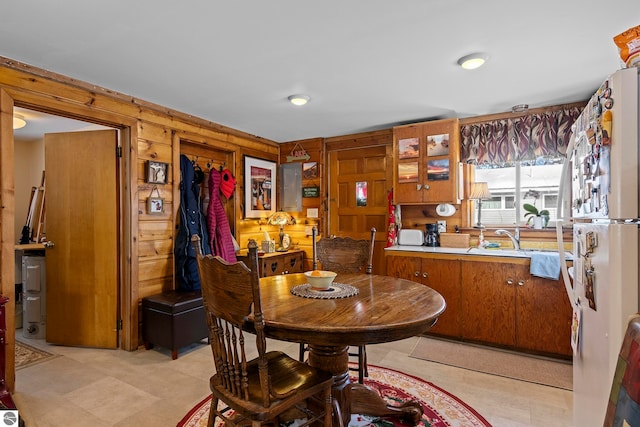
(356, 398)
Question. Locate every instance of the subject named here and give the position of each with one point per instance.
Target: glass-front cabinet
(427, 166)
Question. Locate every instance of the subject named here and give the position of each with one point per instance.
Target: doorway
(30, 164)
(359, 181)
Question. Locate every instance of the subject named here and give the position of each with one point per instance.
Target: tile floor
(90, 387)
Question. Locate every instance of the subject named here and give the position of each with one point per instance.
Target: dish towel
(544, 264)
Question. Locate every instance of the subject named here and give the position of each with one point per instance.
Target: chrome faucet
(514, 239)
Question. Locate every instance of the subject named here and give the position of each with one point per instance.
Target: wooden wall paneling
(155, 143)
(416, 216)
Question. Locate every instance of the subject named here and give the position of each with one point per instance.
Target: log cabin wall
(153, 133)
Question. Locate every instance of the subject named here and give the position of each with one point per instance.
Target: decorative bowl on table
(320, 279)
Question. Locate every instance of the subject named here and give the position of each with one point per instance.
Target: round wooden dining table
(383, 309)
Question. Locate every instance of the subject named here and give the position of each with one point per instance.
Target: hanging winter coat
(192, 221)
(221, 242)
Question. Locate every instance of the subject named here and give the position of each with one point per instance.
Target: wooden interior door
(82, 223)
(348, 216)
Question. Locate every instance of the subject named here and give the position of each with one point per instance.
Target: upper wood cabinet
(427, 165)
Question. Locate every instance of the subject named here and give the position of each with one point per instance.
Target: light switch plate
(442, 226)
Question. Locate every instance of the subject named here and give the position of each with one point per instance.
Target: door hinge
(118, 151)
(119, 324)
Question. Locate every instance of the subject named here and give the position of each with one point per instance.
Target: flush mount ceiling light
(473, 60)
(18, 121)
(299, 99)
(520, 108)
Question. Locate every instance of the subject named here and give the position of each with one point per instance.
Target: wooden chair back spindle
(273, 380)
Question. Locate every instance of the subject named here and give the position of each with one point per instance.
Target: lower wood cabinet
(493, 300)
(504, 304)
(443, 275)
(488, 303)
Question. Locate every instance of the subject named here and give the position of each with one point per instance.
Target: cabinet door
(443, 275)
(543, 315)
(440, 166)
(293, 263)
(487, 301)
(408, 179)
(404, 267)
(439, 274)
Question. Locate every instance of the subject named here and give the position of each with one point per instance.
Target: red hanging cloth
(391, 227)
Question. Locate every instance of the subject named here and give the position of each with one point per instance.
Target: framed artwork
(361, 193)
(408, 148)
(408, 172)
(438, 170)
(310, 170)
(438, 145)
(155, 204)
(157, 172)
(259, 187)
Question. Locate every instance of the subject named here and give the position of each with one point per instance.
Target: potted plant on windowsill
(539, 219)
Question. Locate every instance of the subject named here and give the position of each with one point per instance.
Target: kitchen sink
(499, 252)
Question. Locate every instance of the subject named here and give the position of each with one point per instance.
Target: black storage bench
(173, 320)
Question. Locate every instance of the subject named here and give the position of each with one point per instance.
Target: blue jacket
(192, 221)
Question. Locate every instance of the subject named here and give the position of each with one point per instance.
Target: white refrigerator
(602, 173)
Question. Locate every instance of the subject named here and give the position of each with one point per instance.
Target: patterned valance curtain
(519, 138)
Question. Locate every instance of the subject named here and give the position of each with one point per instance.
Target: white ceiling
(366, 64)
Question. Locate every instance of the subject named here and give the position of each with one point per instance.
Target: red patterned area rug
(441, 408)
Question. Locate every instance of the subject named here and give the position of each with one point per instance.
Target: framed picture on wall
(408, 148)
(157, 172)
(438, 145)
(259, 187)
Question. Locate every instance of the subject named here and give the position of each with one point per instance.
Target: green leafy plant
(533, 212)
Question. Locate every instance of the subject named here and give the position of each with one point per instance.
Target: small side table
(275, 263)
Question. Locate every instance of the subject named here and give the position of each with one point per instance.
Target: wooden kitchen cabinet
(504, 304)
(427, 165)
(442, 275)
(543, 315)
(492, 300)
(487, 301)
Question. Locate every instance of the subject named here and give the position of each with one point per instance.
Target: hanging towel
(545, 264)
(221, 239)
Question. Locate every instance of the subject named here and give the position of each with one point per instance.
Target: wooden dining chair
(269, 387)
(344, 254)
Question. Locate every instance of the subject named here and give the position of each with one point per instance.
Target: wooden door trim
(128, 215)
(7, 233)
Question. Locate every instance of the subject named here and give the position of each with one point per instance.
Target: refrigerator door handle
(560, 219)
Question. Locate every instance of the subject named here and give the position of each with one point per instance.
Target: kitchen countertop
(510, 253)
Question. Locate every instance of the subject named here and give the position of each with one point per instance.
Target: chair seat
(287, 375)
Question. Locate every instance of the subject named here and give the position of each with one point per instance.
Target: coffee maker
(432, 236)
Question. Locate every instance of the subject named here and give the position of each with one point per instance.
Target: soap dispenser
(481, 242)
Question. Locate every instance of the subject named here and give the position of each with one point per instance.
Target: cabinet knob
(520, 282)
(425, 275)
(418, 186)
(425, 187)
(416, 273)
(509, 282)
